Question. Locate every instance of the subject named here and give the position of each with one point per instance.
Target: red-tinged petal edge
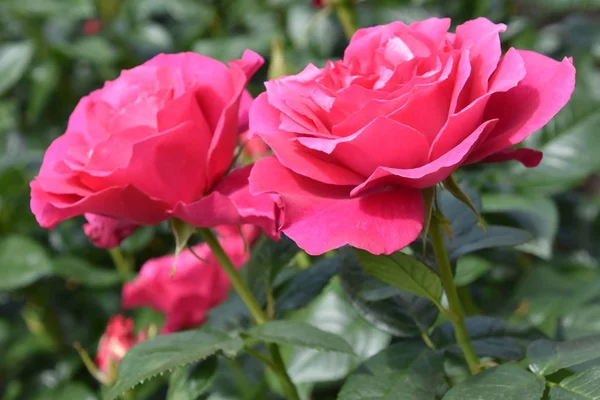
(528, 157)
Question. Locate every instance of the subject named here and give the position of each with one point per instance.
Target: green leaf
(139, 240)
(583, 386)
(404, 272)
(94, 49)
(266, 261)
(451, 186)
(306, 285)
(404, 371)
(44, 79)
(499, 383)
(469, 269)
(24, 261)
(164, 353)
(297, 333)
(490, 337)
(332, 313)
(467, 235)
(182, 232)
(496, 236)
(570, 157)
(537, 215)
(546, 357)
(582, 322)
(386, 307)
(73, 390)
(549, 294)
(83, 272)
(14, 60)
(189, 382)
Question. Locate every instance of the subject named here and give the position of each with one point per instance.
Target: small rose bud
(116, 341)
(106, 232)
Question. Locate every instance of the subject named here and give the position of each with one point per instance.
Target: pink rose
(196, 287)
(354, 142)
(153, 144)
(116, 341)
(107, 232)
(254, 147)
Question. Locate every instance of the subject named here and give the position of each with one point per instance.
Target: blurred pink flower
(196, 287)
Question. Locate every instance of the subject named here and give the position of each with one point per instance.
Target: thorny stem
(253, 306)
(456, 313)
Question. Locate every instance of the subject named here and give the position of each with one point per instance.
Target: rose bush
(153, 144)
(354, 142)
(195, 287)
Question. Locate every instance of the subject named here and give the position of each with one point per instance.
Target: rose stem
(347, 17)
(121, 264)
(255, 309)
(456, 314)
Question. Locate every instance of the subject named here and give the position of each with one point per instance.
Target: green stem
(428, 342)
(244, 387)
(286, 383)
(456, 312)
(121, 264)
(234, 276)
(253, 306)
(347, 17)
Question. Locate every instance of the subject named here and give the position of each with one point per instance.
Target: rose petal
(508, 75)
(321, 217)
(126, 203)
(230, 203)
(434, 28)
(244, 111)
(264, 121)
(170, 166)
(224, 139)
(371, 147)
(429, 174)
(544, 90)
(481, 36)
(528, 157)
(427, 108)
(183, 109)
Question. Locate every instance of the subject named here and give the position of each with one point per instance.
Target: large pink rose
(156, 143)
(354, 142)
(196, 287)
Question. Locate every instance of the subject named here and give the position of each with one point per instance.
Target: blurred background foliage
(57, 289)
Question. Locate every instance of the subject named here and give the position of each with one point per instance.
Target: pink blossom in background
(196, 287)
(106, 232)
(154, 144)
(92, 27)
(254, 148)
(116, 341)
(354, 142)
